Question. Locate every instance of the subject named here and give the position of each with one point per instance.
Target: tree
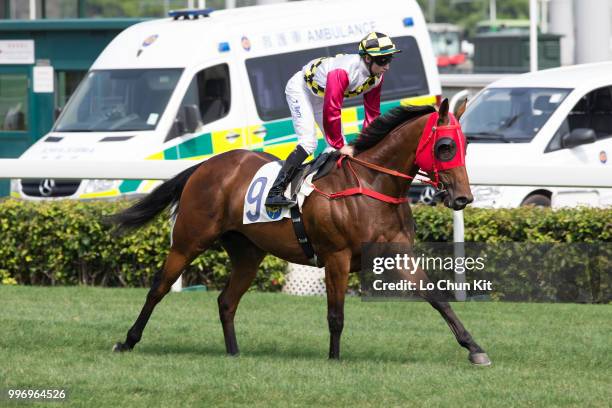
(138, 8)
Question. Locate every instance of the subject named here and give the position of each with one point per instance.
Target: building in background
(446, 40)
(50, 9)
(41, 64)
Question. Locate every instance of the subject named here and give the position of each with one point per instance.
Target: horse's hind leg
(189, 240)
(245, 258)
(477, 355)
(162, 281)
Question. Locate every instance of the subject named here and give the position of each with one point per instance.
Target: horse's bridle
(442, 142)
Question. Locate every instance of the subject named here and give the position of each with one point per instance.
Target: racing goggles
(382, 60)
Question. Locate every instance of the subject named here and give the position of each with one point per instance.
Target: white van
(555, 117)
(201, 83)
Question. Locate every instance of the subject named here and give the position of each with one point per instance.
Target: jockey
(316, 94)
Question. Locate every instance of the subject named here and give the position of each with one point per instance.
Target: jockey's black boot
(286, 173)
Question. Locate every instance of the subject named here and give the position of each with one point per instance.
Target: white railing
(86, 169)
(496, 172)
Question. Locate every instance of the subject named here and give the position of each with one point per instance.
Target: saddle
(322, 165)
(255, 211)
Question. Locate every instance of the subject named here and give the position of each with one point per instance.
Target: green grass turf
(393, 353)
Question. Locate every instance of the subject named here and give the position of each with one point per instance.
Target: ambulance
(203, 82)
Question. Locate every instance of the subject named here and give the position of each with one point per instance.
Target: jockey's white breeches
(306, 112)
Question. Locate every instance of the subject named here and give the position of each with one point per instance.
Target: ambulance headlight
(15, 185)
(98, 186)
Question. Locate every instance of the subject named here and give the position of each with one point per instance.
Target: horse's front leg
(336, 281)
(477, 355)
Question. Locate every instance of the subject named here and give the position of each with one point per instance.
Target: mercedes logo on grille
(428, 194)
(46, 187)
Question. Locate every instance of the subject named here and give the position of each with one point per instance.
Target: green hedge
(525, 224)
(66, 243)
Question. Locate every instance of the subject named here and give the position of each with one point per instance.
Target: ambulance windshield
(119, 100)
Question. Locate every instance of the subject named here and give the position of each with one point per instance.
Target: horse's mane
(384, 124)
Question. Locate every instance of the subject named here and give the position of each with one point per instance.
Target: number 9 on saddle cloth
(254, 209)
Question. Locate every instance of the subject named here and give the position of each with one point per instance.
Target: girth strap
(300, 233)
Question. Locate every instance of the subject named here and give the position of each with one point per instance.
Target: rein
(389, 171)
(360, 190)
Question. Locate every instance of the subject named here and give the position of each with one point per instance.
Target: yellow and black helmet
(375, 44)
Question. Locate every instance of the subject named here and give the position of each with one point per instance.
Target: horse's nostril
(461, 201)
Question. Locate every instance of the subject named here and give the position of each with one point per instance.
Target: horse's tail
(165, 195)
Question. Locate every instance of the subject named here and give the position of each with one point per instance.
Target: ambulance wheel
(537, 200)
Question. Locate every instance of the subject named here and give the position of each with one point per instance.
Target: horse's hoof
(121, 347)
(234, 355)
(480, 359)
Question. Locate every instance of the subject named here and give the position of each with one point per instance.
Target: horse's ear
(460, 109)
(443, 112)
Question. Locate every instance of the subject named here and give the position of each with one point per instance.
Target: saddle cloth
(255, 210)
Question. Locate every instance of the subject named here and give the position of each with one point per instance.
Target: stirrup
(278, 200)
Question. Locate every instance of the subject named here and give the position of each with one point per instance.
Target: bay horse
(208, 206)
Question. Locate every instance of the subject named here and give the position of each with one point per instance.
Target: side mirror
(578, 137)
(192, 119)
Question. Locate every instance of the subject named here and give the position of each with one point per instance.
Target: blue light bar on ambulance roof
(408, 22)
(224, 47)
(190, 14)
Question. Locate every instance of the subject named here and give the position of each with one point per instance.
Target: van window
(593, 111)
(269, 75)
(510, 114)
(67, 84)
(210, 92)
(119, 100)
